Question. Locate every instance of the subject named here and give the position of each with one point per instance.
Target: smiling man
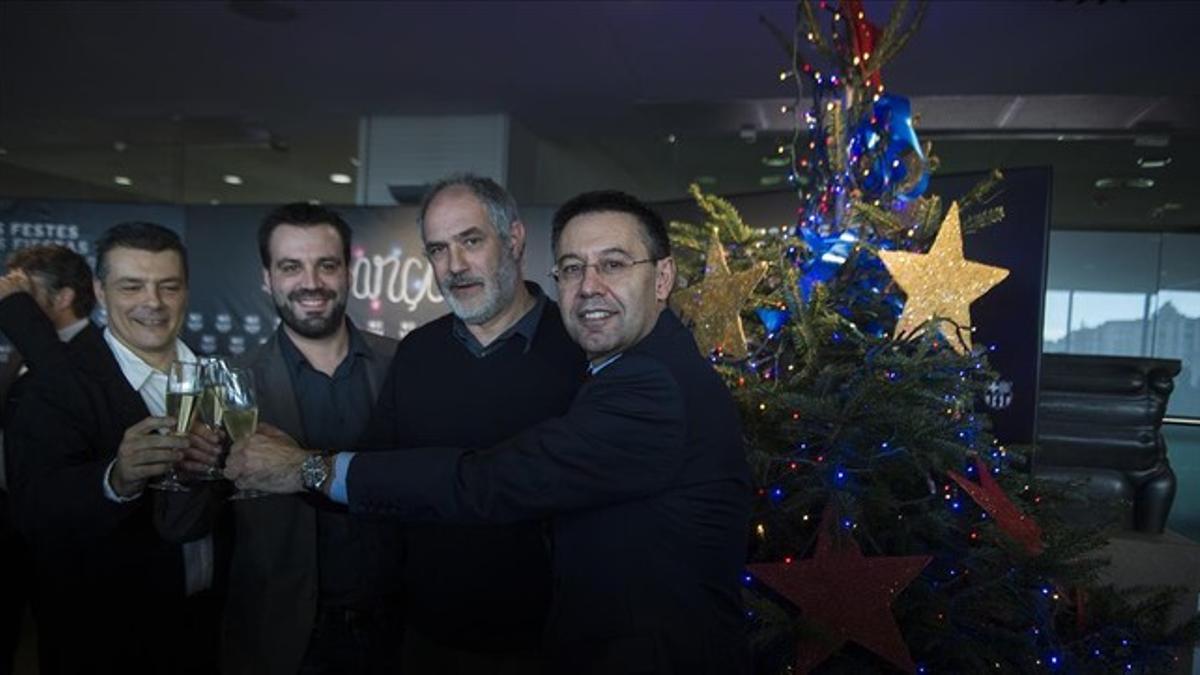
(115, 597)
(309, 589)
(644, 478)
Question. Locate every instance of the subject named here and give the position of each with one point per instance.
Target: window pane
(1177, 325)
(1054, 325)
(1109, 323)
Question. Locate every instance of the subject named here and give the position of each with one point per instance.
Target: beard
(498, 292)
(312, 327)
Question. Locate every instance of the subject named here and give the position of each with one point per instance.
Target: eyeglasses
(572, 271)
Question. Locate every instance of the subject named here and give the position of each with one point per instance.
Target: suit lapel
(93, 355)
(277, 400)
(382, 351)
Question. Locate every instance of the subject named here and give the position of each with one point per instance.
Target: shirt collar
(295, 358)
(525, 327)
(594, 368)
(68, 333)
(136, 371)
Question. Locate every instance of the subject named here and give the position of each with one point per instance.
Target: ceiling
(174, 95)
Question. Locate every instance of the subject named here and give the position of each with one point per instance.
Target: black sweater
(479, 588)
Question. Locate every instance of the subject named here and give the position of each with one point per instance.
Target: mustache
(315, 294)
(463, 279)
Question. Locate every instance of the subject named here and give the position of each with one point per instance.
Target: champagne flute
(240, 413)
(213, 372)
(183, 393)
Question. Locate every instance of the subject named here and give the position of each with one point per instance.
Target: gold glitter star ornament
(941, 283)
(714, 305)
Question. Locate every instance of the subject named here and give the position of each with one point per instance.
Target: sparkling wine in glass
(213, 373)
(183, 394)
(240, 413)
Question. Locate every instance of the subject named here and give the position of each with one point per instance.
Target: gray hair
(500, 206)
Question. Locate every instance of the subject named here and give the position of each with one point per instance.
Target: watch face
(313, 472)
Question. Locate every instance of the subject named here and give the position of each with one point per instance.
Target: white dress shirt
(151, 384)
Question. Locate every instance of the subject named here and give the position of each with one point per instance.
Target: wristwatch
(314, 472)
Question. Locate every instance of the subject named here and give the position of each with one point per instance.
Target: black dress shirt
(335, 411)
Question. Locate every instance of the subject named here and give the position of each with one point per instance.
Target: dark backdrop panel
(1009, 317)
(392, 286)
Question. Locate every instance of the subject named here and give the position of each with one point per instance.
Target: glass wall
(1128, 294)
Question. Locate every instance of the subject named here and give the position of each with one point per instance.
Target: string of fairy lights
(854, 149)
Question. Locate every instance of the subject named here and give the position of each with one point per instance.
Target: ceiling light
(215, 202)
(232, 179)
(775, 161)
(1152, 141)
(706, 180)
(769, 181)
(354, 162)
(671, 138)
(1153, 162)
(120, 146)
(1165, 208)
(1107, 183)
(125, 181)
(3, 151)
(1139, 183)
(340, 178)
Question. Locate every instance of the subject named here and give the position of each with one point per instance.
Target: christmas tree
(891, 530)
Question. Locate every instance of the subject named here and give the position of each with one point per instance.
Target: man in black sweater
(476, 596)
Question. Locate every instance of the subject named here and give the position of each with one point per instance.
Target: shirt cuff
(110, 493)
(341, 467)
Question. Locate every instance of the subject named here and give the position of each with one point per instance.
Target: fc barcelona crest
(999, 395)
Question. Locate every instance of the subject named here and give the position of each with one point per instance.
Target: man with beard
(309, 588)
(475, 597)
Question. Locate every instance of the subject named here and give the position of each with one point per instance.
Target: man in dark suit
(644, 478)
(45, 301)
(115, 598)
(310, 590)
(42, 281)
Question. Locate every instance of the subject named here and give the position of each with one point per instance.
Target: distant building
(1173, 336)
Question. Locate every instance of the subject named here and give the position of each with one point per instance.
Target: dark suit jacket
(273, 582)
(30, 332)
(109, 585)
(32, 336)
(646, 482)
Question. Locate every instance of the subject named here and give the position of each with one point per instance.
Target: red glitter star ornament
(863, 36)
(847, 595)
(992, 499)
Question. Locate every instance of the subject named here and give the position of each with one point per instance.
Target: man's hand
(204, 450)
(144, 454)
(15, 281)
(268, 461)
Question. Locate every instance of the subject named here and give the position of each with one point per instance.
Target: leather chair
(1100, 422)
